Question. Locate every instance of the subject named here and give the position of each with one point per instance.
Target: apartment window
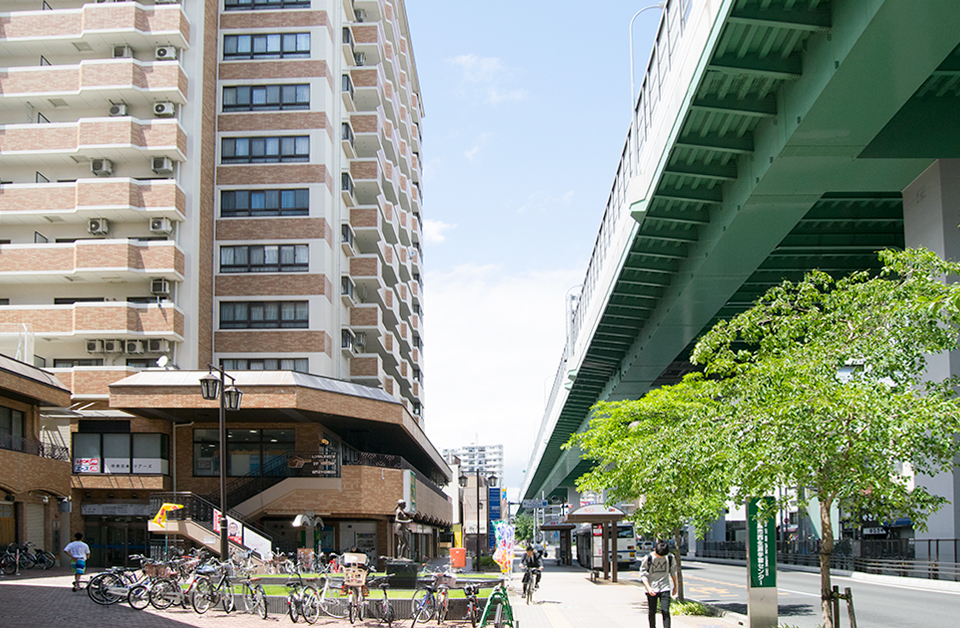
(69, 364)
(72, 300)
(254, 150)
(266, 97)
(274, 258)
(235, 203)
(4, 301)
(141, 363)
(11, 422)
(121, 453)
(264, 314)
(247, 5)
(249, 452)
(300, 365)
(266, 46)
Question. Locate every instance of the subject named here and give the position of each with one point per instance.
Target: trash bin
(458, 557)
(404, 574)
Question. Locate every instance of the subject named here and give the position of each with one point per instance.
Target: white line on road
(874, 583)
(798, 592)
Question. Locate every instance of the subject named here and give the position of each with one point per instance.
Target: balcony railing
(34, 447)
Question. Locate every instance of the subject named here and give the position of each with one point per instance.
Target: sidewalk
(567, 599)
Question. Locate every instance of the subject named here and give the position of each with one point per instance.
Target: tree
(666, 450)
(523, 528)
(826, 387)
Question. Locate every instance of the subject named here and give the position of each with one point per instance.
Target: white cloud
(433, 231)
(489, 334)
(482, 78)
(470, 154)
(544, 202)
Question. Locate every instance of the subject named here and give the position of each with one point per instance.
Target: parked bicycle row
(19, 556)
(339, 589)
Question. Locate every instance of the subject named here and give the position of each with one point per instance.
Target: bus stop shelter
(566, 539)
(606, 517)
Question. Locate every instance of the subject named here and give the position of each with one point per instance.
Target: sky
(527, 106)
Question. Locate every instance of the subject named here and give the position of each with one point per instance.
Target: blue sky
(527, 107)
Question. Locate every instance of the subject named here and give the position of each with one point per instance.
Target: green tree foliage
(523, 528)
(665, 450)
(827, 385)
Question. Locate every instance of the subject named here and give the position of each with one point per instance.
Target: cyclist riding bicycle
(532, 562)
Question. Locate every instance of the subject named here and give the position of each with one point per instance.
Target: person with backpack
(657, 569)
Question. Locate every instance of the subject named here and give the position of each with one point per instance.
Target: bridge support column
(931, 219)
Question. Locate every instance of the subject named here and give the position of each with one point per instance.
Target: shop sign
(762, 550)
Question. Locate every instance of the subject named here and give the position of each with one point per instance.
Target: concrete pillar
(931, 217)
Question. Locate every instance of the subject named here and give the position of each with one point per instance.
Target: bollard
(835, 598)
(848, 594)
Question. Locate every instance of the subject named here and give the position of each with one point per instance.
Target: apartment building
(230, 182)
(487, 459)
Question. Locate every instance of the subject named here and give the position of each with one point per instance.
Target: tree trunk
(676, 541)
(826, 552)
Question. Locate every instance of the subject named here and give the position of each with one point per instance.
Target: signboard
(118, 510)
(534, 503)
(234, 527)
(86, 465)
(258, 543)
(324, 465)
(762, 548)
(410, 490)
(493, 513)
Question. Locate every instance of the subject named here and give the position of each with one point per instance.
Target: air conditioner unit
(165, 53)
(133, 347)
(160, 287)
(118, 109)
(113, 346)
(162, 165)
(360, 58)
(164, 109)
(158, 345)
(122, 52)
(161, 225)
(359, 14)
(98, 226)
(360, 340)
(101, 167)
(94, 346)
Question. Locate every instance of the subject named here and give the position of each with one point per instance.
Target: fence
(34, 447)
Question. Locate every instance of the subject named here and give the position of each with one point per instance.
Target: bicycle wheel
(260, 602)
(473, 610)
(331, 602)
(310, 605)
(351, 607)
(387, 614)
(443, 605)
(528, 590)
(138, 597)
(423, 605)
(8, 564)
(27, 561)
(227, 598)
(105, 588)
(163, 594)
(202, 595)
(293, 608)
(45, 560)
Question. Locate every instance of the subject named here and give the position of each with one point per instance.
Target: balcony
(97, 320)
(371, 88)
(116, 198)
(373, 133)
(121, 140)
(90, 261)
(366, 271)
(34, 447)
(368, 38)
(96, 80)
(95, 26)
(370, 178)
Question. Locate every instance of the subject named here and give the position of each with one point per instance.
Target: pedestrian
(657, 569)
(78, 551)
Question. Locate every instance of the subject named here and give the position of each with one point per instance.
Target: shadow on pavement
(784, 610)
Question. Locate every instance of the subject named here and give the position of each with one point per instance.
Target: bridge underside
(807, 121)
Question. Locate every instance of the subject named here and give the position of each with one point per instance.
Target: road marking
(555, 617)
(798, 592)
(879, 584)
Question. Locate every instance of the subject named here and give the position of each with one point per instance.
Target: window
(247, 5)
(69, 364)
(266, 46)
(120, 453)
(283, 258)
(300, 365)
(264, 314)
(266, 97)
(72, 300)
(235, 203)
(259, 150)
(11, 424)
(141, 363)
(249, 451)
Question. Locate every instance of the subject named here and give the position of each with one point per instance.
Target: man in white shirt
(78, 551)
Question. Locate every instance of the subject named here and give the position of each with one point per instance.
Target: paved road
(877, 605)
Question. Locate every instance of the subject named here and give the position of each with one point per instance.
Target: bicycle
(302, 600)
(384, 609)
(355, 572)
(470, 592)
(206, 594)
(168, 590)
(433, 599)
(40, 558)
(114, 584)
(331, 597)
(531, 580)
(254, 599)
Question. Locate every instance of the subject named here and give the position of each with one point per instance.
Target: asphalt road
(876, 605)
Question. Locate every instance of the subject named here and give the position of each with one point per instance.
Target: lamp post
(213, 387)
(633, 92)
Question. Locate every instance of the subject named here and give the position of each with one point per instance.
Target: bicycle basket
(446, 579)
(354, 576)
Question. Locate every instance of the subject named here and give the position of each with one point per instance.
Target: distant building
(487, 458)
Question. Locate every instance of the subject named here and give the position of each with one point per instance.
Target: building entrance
(112, 541)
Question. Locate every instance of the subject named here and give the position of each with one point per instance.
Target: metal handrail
(34, 447)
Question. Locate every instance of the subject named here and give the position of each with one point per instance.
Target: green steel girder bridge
(769, 138)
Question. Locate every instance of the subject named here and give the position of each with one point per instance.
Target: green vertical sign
(762, 546)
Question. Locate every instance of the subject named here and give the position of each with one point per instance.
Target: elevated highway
(769, 138)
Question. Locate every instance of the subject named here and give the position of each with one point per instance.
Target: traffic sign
(534, 503)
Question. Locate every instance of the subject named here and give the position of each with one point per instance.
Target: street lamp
(212, 388)
(633, 92)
